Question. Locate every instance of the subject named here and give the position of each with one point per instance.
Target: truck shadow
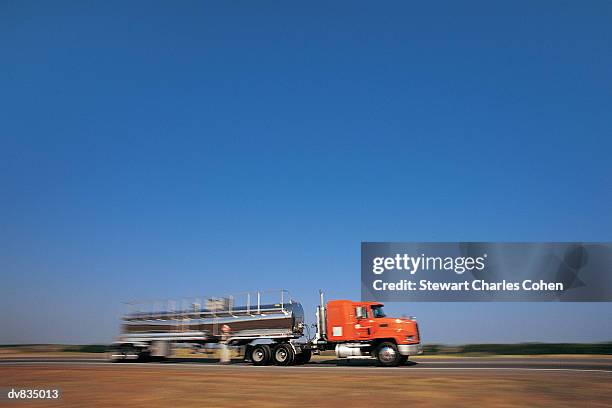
(200, 360)
(356, 362)
(336, 362)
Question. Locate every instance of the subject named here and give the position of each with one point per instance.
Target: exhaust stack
(321, 319)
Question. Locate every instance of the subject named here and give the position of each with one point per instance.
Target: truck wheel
(284, 355)
(303, 357)
(260, 355)
(388, 355)
(306, 354)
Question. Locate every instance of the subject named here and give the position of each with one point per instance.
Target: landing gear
(388, 355)
(260, 355)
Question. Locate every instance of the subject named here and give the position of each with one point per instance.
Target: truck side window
(361, 312)
(377, 311)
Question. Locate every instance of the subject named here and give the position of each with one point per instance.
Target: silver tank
(286, 317)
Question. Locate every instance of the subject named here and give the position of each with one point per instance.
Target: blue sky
(155, 150)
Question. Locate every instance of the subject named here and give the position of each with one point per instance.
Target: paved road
(467, 363)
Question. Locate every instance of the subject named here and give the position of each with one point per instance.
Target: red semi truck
(268, 332)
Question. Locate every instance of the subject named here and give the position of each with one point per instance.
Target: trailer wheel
(388, 354)
(114, 355)
(284, 355)
(260, 355)
(144, 357)
(123, 353)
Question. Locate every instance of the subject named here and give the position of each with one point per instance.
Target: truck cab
(363, 329)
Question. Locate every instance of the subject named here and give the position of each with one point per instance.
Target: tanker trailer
(150, 328)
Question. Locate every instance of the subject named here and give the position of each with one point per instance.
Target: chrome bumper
(410, 349)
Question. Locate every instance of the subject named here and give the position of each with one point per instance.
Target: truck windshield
(377, 311)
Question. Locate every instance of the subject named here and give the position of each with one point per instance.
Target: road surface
(455, 363)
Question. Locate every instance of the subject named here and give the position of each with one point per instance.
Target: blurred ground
(159, 385)
(195, 379)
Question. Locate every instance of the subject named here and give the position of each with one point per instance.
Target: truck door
(363, 328)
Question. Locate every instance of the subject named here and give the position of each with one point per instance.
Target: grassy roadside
(520, 349)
